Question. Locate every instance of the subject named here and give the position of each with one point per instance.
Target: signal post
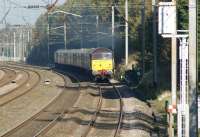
(167, 23)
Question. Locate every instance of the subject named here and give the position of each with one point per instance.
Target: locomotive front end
(102, 64)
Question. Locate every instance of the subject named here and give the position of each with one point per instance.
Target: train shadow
(108, 120)
(114, 114)
(75, 73)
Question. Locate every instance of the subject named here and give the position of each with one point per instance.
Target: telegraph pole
(154, 10)
(14, 47)
(48, 27)
(126, 31)
(97, 29)
(143, 36)
(193, 67)
(48, 32)
(22, 45)
(173, 74)
(7, 46)
(113, 29)
(81, 34)
(65, 34)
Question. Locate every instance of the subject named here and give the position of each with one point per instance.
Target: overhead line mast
(173, 73)
(193, 67)
(126, 31)
(143, 36)
(49, 8)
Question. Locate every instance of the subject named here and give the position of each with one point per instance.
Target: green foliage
(149, 92)
(183, 17)
(85, 35)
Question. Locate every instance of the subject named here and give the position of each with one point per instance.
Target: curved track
(42, 121)
(91, 123)
(55, 103)
(99, 107)
(117, 132)
(84, 120)
(31, 80)
(9, 75)
(95, 115)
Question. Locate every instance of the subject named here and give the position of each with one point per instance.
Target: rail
(37, 115)
(94, 117)
(119, 125)
(21, 85)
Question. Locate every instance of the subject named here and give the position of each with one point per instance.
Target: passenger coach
(98, 61)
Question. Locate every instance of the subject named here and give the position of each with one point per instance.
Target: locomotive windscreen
(102, 56)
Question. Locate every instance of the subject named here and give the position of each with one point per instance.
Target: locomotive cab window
(102, 56)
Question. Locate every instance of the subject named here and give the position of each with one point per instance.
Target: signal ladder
(198, 23)
(183, 106)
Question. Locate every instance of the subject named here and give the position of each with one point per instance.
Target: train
(97, 61)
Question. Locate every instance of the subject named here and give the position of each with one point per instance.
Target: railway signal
(167, 14)
(167, 25)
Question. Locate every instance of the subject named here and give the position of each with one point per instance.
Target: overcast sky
(19, 15)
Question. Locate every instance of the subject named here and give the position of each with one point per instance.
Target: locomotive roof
(90, 51)
(101, 50)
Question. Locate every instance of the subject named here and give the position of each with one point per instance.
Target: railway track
(85, 130)
(40, 114)
(77, 86)
(27, 85)
(91, 124)
(32, 123)
(2, 74)
(43, 123)
(117, 132)
(9, 75)
(27, 66)
(20, 81)
(94, 117)
(60, 115)
(44, 120)
(147, 123)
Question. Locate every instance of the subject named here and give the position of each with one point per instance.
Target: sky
(18, 15)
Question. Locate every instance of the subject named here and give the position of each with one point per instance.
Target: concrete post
(126, 31)
(193, 68)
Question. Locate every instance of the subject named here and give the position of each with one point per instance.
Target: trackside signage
(166, 18)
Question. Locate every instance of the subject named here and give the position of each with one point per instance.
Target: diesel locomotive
(98, 61)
